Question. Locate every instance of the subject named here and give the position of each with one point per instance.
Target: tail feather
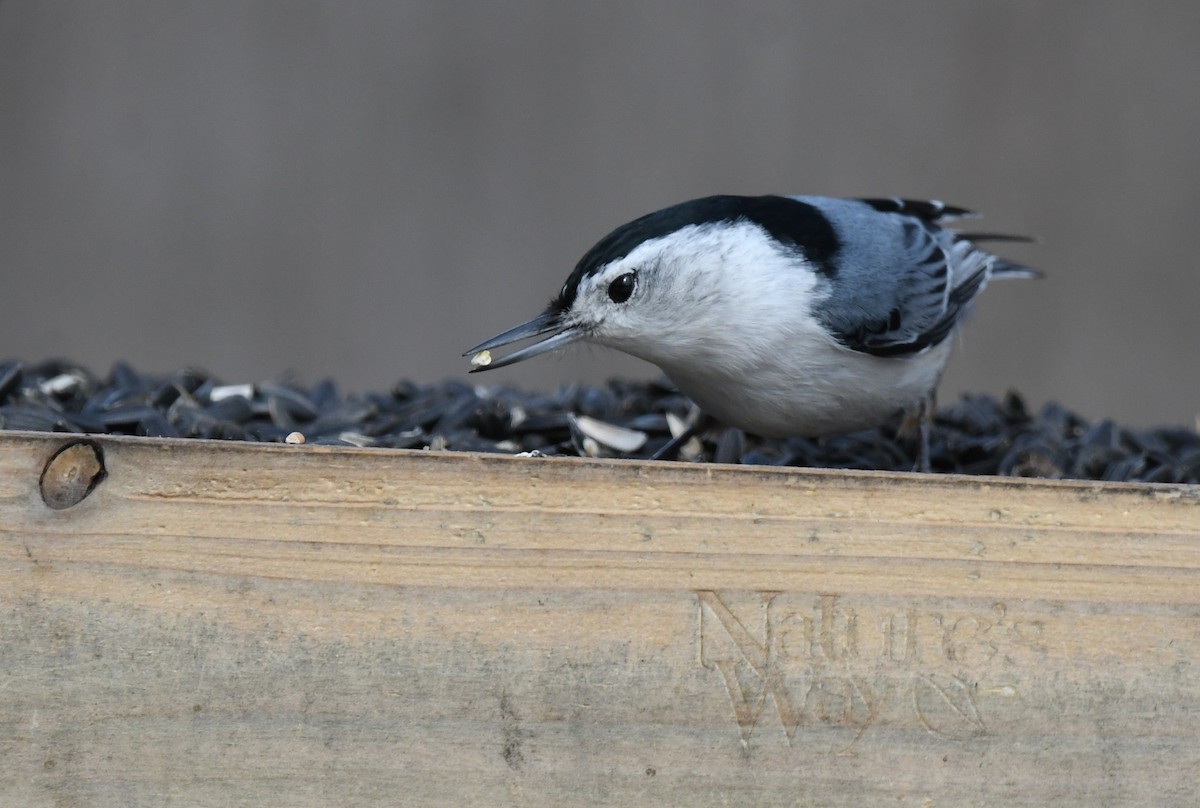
(1003, 268)
(931, 210)
(1011, 237)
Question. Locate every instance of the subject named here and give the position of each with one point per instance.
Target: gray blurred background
(364, 190)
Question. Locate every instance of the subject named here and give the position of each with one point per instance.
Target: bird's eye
(620, 289)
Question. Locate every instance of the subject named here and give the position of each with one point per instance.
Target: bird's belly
(851, 391)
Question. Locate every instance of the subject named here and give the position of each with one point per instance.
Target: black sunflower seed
(974, 435)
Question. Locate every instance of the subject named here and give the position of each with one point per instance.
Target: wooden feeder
(203, 623)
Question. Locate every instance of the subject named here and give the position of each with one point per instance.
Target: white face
(702, 289)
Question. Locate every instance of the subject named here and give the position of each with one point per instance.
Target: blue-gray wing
(902, 281)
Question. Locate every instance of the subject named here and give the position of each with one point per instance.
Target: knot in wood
(71, 474)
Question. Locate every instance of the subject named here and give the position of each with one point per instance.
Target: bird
(784, 316)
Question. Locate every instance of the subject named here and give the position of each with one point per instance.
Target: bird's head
(669, 287)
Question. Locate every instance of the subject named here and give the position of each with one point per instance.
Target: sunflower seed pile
(975, 435)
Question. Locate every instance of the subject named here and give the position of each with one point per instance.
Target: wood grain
(223, 624)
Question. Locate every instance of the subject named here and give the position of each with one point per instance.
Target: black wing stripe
(960, 296)
(931, 210)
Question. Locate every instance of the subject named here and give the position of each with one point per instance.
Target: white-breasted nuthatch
(784, 316)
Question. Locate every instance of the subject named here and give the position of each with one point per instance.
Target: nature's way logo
(821, 662)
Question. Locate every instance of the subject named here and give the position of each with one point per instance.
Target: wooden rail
(223, 624)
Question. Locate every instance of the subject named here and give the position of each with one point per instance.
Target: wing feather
(904, 281)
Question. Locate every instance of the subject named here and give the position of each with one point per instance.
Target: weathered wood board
(223, 624)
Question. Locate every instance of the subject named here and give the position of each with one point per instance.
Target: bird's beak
(549, 322)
